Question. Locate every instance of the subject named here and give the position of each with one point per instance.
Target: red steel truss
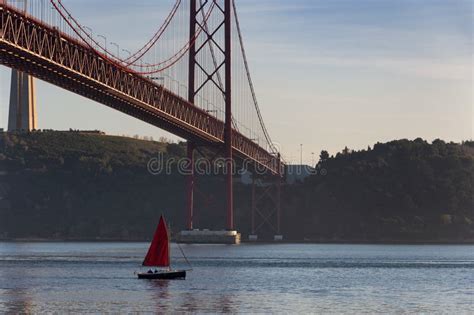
(28, 45)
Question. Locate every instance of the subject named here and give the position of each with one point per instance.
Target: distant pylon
(22, 113)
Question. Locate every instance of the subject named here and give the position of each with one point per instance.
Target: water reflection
(167, 298)
(190, 303)
(160, 293)
(226, 304)
(18, 299)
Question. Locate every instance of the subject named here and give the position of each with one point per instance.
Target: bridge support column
(278, 195)
(278, 236)
(228, 114)
(191, 95)
(22, 110)
(253, 236)
(253, 205)
(190, 187)
(266, 208)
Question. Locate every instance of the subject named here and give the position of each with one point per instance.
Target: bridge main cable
(124, 63)
(247, 69)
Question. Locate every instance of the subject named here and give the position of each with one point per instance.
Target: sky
(328, 74)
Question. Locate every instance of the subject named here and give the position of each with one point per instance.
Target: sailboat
(159, 256)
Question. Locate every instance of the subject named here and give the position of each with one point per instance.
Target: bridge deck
(28, 45)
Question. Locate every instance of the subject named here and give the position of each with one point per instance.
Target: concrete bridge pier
(22, 112)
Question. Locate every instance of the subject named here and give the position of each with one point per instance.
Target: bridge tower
(22, 111)
(266, 205)
(225, 49)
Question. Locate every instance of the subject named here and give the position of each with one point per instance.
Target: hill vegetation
(75, 185)
(398, 191)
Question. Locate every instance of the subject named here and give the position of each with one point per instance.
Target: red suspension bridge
(191, 78)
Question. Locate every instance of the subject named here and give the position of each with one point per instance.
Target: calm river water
(98, 277)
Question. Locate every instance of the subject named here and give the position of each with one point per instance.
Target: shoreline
(262, 242)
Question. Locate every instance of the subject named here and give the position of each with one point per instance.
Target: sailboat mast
(169, 247)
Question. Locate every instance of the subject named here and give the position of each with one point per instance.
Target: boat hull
(174, 274)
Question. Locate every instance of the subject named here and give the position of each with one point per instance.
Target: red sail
(158, 253)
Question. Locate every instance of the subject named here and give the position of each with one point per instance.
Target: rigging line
(247, 69)
(185, 258)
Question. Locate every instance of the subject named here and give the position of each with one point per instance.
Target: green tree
(324, 156)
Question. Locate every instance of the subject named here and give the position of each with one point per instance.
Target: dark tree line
(401, 191)
(73, 185)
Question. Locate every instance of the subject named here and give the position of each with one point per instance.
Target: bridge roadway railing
(29, 45)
